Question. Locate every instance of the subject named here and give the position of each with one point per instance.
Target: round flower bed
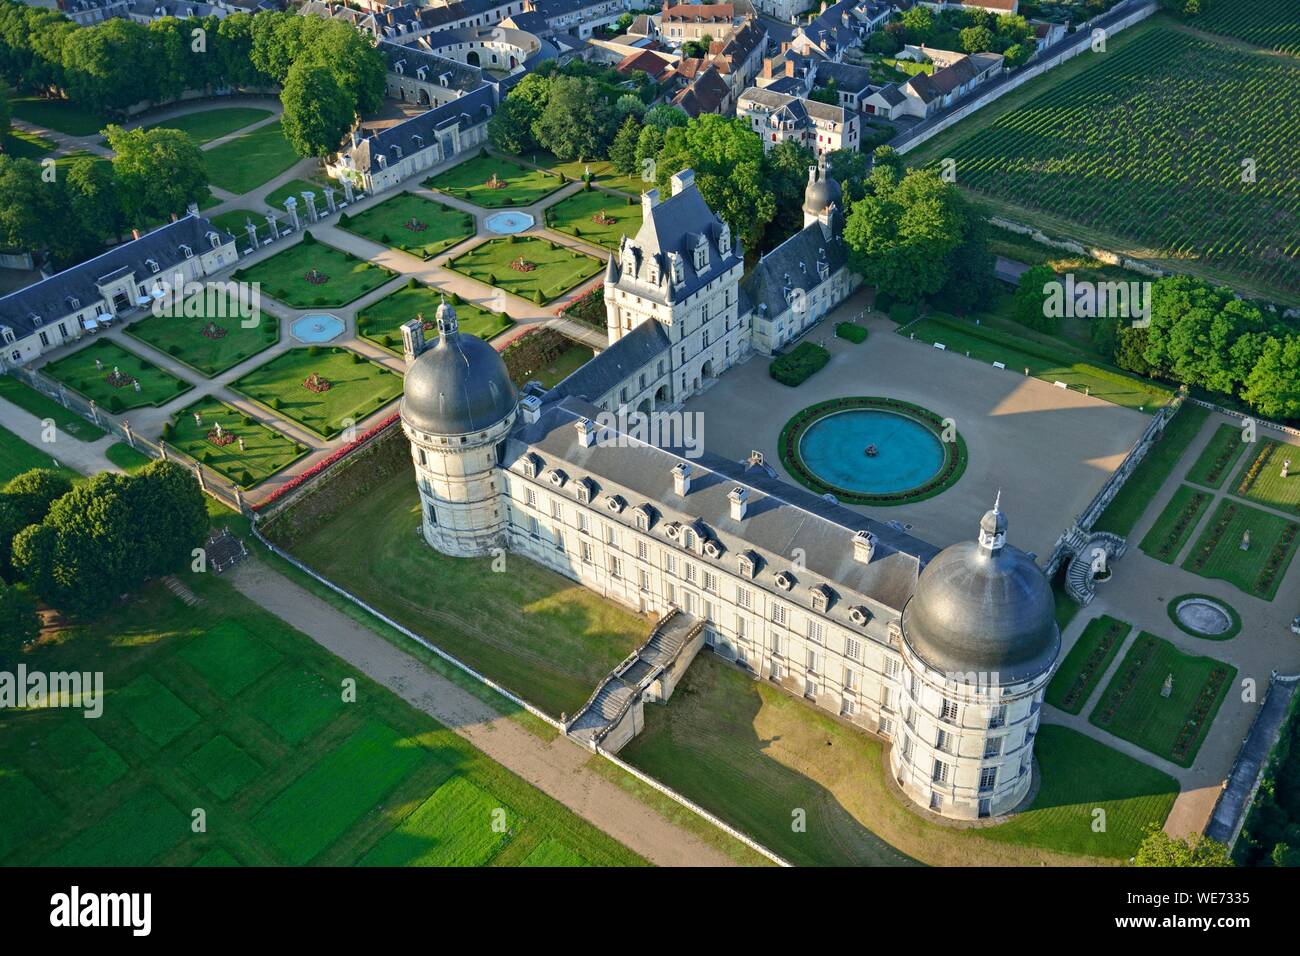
(954, 462)
(1234, 627)
(523, 265)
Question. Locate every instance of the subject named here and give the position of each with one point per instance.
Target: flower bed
(298, 480)
(1256, 469)
(1277, 558)
(1095, 663)
(954, 463)
(1175, 534)
(1212, 541)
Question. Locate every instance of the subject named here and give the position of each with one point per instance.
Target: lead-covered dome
(984, 607)
(821, 192)
(458, 385)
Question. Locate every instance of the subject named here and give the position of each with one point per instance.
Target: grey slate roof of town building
(779, 517)
(616, 364)
(793, 265)
(474, 107)
(848, 78)
(411, 57)
(891, 94)
(50, 299)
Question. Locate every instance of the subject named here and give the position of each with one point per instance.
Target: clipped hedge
(851, 331)
(794, 368)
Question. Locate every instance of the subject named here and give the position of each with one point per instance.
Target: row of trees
(964, 30)
(79, 547)
(71, 210)
(572, 111)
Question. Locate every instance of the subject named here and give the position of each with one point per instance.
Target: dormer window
(747, 563)
(688, 537)
(530, 464)
(644, 515)
(585, 488)
(615, 503)
(701, 254)
(153, 263)
(186, 251)
(557, 477)
(821, 597)
(712, 548)
(673, 530)
(785, 581)
(859, 615)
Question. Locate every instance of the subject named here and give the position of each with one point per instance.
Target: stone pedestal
(347, 189)
(273, 225)
(309, 199)
(329, 199)
(291, 207)
(252, 232)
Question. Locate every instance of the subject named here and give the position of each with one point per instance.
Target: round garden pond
(871, 451)
(508, 223)
(315, 329)
(1204, 616)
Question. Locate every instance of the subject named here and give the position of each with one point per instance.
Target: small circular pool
(317, 328)
(871, 452)
(1203, 616)
(508, 223)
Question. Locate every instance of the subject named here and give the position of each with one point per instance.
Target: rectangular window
(740, 627)
(584, 550)
(998, 716)
(778, 614)
(993, 747)
(690, 572)
(850, 678)
(615, 567)
(557, 535)
(816, 631)
(611, 535)
(670, 563)
(943, 741)
(642, 550)
(892, 666)
(710, 581)
(988, 778)
(583, 524)
(940, 772)
(852, 649)
(744, 597)
(530, 496)
(645, 580)
(557, 510)
(948, 710)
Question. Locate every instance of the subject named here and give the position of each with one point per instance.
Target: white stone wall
(773, 331)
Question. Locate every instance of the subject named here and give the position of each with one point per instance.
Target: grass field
(266, 451)
(542, 636)
(413, 224)
(20, 144)
(1262, 479)
(216, 338)
(29, 400)
(565, 364)
(754, 754)
(224, 708)
(358, 388)
(284, 276)
(1272, 24)
(1218, 458)
(574, 216)
(79, 373)
(468, 180)
(242, 164)
(1260, 569)
(602, 172)
(16, 456)
(60, 115)
(1176, 523)
(1149, 143)
(1083, 667)
(205, 126)
(1127, 507)
(296, 187)
(381, 323)
(556, 268)
(126, 457)
(1133, 706)
(1051, 365)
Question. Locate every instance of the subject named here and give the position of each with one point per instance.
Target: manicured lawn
(752, 753)
(19, 144)
(382, 322)
(357, 388)
(207, 125)
(1051, 365)
(555, 268)
(1133, 706)
(234, 222)
(1258, 570)
(126, 457)
(454, 827)
(1176, 523)
(565, 364)
(602, 172)
(16, 456)
(276, 790)
(1087, 661)
(295, 188)
(523, 185)
(1127, 507)
(79, 373)
(345, 277)
(577, 216)
(216, 337)
(1220, 456)
(542, 636)
(27, 398)
(266, 451)
(58, 115)
(413, 224)
(1262, 480)
(242, 164)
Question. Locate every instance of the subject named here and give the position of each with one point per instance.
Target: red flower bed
(331, 459)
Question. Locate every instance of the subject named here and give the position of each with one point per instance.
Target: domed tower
(457, 407)
(979, 644)
(822, 193)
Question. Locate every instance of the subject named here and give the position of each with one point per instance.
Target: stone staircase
(1079, 581)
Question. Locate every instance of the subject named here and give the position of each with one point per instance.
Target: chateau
(946, 653)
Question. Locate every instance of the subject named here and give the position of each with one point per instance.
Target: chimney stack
(683, 180)
(739, 498)
(864, 545)
(682, 479)
(586, 432)
(413, 338)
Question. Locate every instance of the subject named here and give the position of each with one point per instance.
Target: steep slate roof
(49, 298)
(796, 258)
(468, 110)
(699, 13)
(779, 518)
(705, 95)
(460, 76)
(848, 78)
(891, 94)
(635, 350)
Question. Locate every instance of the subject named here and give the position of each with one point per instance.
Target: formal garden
(1126, 509)
(207, 125)
(1249, 548)
(1220, 455)
(230, 442)
(598, 171)
(115, 379)
(1082, 669)
(1162, 699)
(494, 182)
(382, 322)
(412, 224)
(536, 270)
(212, 339)
(323, 389)
(242, 164)
(1175, 524)
(596, 216)
(311, 274)
(225, 707)
(1273, 476)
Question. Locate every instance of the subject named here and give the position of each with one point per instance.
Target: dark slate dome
(458, 385)
(821, 192)
(985, 607)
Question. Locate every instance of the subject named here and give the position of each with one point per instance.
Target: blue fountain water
(907, 453)
(317, 328)
(508, 223)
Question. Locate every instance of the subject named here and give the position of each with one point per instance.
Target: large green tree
(318, 112)
(1160, 849)
(159, 172)
(102, 65)
(19, 623)
(622, 152)
(578, 121)
(172, 515)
